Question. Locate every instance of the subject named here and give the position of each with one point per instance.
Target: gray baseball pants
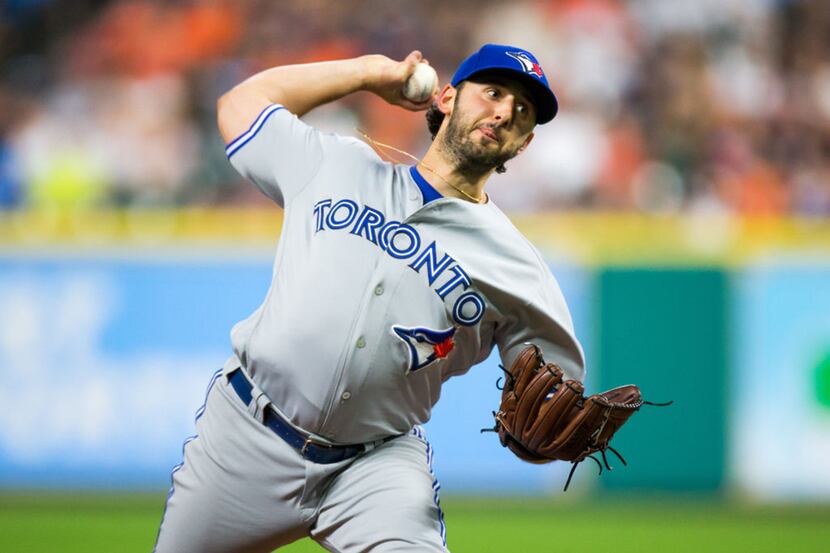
(241, 488)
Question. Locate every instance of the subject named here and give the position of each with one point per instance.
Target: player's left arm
(300, 88)
(559, 344)
(544, 320)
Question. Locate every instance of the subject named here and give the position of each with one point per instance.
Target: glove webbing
(608, 446)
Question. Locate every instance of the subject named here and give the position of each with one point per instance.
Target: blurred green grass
(87, 522)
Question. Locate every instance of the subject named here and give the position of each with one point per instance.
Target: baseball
(421, 83)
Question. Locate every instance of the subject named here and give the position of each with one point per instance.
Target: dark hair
(435, 117)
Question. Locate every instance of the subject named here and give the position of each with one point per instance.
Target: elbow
(220, 102)
(221, 108)
(237, 109)
(225, 115)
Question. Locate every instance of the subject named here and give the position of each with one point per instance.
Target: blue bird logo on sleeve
(425, 346)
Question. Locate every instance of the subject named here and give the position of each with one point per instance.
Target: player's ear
(527, 141)
(446, 98)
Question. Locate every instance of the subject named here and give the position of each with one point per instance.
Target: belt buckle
(309, 442)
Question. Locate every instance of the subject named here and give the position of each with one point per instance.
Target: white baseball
(421, 83)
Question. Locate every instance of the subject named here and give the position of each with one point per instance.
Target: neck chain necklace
(470, 197)
(479, 200)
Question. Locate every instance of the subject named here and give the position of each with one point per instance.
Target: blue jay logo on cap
(528, 64)
(425, 346)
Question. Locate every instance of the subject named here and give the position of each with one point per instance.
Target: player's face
(491, 122)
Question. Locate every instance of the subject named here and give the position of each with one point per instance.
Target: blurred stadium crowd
(714, 106)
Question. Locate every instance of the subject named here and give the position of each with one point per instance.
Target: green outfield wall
(666, 329)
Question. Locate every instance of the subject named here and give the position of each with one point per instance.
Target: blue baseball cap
(516, 63)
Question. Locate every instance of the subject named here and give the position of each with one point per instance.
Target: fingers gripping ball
(543, 417)
(421, 83)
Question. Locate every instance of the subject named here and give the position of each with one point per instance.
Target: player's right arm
(301, 88)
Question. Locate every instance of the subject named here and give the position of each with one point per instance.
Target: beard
(468, 156)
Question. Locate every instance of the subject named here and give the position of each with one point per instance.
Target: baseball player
(388, 280)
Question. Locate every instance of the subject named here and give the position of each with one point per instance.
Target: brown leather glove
(543, 418)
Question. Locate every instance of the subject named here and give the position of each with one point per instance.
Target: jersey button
(346, 395)
(378, 290)
(361, 343)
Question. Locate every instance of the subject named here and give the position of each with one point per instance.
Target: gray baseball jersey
(381, 291)
(379, 294)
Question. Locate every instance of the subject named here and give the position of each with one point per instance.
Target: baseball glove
(544, 418)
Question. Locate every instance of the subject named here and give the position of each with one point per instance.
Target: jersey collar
(427, 191)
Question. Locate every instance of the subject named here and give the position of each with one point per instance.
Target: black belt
(313, 451)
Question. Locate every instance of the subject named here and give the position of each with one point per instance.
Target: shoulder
(281, 130)
(353, 147)
(521, 249)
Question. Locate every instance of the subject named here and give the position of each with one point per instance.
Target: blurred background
(681, 197)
